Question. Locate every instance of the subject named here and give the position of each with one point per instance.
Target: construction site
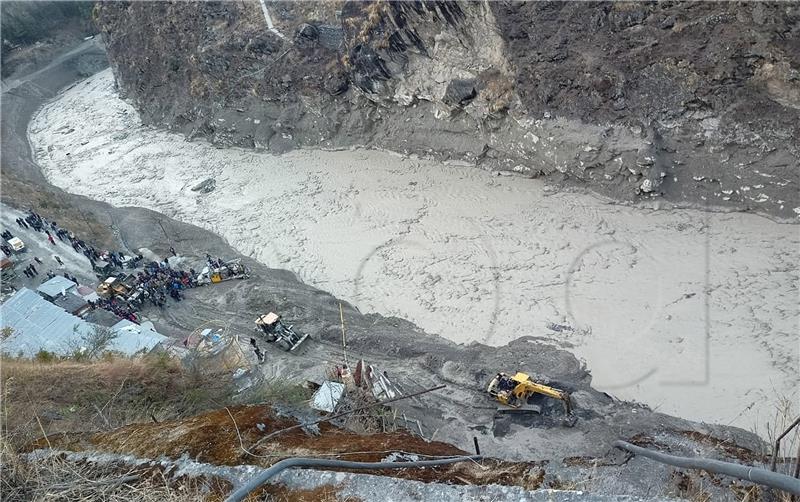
(196, 312)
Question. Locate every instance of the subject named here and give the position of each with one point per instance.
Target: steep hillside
(33, 31)
(146, 430)
(695, 103)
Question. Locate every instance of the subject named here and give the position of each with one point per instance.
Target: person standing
(259, 354)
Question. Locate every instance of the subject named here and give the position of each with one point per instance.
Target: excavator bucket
(299, 342)
(525, 408)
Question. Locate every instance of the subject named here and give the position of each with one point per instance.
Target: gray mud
(410, 356)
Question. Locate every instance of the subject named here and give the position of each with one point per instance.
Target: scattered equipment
(227, 271)
(514, 392)
(277, 332)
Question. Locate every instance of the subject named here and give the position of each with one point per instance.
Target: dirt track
(410, 356)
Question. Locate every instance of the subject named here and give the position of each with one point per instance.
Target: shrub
(44, 356)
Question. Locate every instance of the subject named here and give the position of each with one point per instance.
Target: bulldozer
(513, 393)
(275, 331)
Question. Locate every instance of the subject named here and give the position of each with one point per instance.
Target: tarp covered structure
(72, 303)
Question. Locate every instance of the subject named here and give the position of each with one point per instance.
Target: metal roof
(39, 325)
(101, 317)
(58, 285)
(71, 303)
(132, 338)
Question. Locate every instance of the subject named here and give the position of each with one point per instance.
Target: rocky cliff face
(686, 102)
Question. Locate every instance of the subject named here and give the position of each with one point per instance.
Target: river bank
(701, 307)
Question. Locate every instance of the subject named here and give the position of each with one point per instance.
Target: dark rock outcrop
(692, 103)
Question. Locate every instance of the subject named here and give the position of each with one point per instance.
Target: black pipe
(275, 469)
(754, 474)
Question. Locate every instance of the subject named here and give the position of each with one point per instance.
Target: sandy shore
(693, 313)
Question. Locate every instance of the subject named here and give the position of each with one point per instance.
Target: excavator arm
(526, 388)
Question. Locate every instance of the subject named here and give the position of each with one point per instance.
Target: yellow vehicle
(114, 286)
(514, 392)
(225, 272)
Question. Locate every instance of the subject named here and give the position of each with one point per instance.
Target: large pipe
(754, 474)
(273, 470)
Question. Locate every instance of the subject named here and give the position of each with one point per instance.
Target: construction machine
(275, 331)
(513, 392)
(112, 286)
(233, 269)
(117, 285)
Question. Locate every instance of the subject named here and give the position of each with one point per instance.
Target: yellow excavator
(514, 392)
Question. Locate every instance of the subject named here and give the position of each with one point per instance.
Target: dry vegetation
(49, 400)
(784, 414)
(57, 479)
(63, 404)
(57, 397)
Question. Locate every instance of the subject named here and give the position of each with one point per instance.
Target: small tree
(6, 332)
(94, 343)
(44, 356)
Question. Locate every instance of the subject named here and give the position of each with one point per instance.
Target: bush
(276, 391)
(44, 356)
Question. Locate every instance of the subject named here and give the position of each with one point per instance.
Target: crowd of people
(153, 283)
(118, 307)
(158, 280)
(51, 228)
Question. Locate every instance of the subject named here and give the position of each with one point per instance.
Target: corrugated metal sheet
(71, 303)
(39, 325)
(58, 285)
(327, 396)
(133, 338)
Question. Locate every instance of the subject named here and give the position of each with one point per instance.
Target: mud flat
(693, 313)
